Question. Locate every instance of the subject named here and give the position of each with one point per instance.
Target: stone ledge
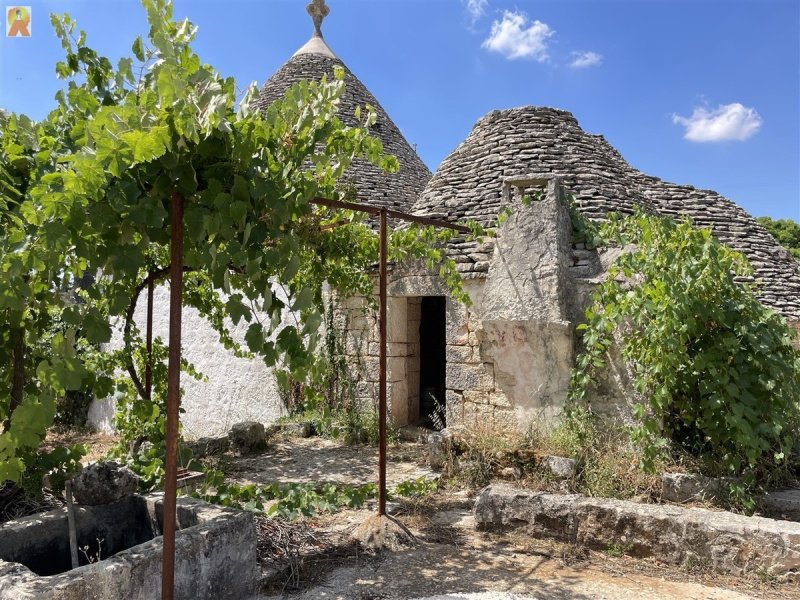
(726, 542)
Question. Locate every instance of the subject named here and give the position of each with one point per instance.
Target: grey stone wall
(510, 354)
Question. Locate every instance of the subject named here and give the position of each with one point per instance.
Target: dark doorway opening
(432, 339)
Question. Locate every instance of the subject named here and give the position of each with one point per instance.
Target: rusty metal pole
(148, 369)
(382, 368)
(173, 398)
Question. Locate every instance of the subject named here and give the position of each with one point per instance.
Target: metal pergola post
(173, 398)
(382, 404)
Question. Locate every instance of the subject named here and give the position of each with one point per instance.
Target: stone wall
(509, 355)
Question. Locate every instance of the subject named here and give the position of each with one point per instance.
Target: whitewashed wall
(237, 389)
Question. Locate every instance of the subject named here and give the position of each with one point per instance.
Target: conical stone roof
(392, 190)
(516, 142)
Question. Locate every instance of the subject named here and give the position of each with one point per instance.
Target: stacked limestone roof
(520, 141)
(392, 190)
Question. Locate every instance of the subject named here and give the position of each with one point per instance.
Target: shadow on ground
(316, 460)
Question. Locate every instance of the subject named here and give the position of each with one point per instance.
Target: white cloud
(475, 8)
(728, 122)
(515, 37)
(584, 60)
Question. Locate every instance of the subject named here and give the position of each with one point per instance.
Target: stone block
(505, 419)
(454, 408)
(458, 354)
(371, 368)
(247, 437)
(215, 553)
(396, 369)
(560, 466)
(473, 397)
(397, 320)
(397, 394)
(365, 388)
(470, 377)
(457, 334)
(104, 482)
(356, 344)
(499, 399)
(303, 429)
(478, 414)
(396, 349)
(687, 487)
(726, 542)
(439, 447)
(781, 504)
(209, 446)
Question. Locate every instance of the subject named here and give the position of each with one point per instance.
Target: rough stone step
(721, 542)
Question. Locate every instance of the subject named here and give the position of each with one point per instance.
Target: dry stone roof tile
(399, 190)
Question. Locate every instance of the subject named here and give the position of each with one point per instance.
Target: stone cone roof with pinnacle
(392, 190)
(516, 142)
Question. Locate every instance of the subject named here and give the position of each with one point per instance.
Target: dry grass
(98, 444)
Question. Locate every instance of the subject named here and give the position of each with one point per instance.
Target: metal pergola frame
(174, 358)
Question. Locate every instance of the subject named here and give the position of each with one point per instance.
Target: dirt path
(317, 460)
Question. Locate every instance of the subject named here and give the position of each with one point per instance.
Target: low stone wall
(720, 541)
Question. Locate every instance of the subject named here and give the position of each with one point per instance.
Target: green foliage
(786, 231)
(583, 230)
(293, 500)
(417, 488)
(607, 463)
(87, 192)
(717, 373)
(56, 465)
(618, 549)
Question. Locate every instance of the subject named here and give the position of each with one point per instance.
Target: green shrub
(718, 372)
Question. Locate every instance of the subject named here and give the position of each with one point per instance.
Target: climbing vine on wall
(718, 373)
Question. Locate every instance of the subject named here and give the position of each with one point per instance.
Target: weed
(608, 464)
(417, 488)
(766, 576)
(96, 557)
(479, 451)
(618, 549)
(293, 500)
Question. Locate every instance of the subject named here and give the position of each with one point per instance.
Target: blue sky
(704, 92)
